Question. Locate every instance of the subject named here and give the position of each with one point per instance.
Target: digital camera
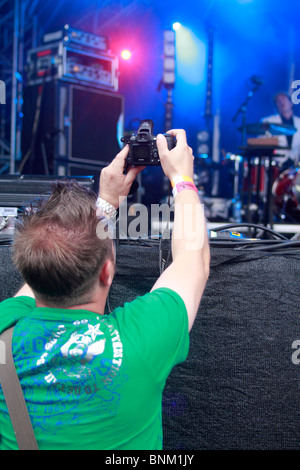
(142, 145)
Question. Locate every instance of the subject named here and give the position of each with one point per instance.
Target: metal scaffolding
(6, 32)
(22, 26)
(20, 30)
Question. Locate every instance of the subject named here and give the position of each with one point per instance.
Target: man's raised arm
(188, 273)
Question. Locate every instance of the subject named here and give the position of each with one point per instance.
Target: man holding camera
(90, 380)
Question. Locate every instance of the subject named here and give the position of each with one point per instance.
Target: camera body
(142, 145)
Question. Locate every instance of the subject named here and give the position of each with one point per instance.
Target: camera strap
(165, 250)
(14, 397)
(165, 246)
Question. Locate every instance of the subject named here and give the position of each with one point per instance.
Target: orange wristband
(179, 178)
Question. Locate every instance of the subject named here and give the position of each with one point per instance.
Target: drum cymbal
(273, 128)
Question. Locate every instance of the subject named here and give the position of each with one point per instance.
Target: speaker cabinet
(66, 123)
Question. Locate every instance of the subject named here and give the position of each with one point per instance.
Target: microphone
(257, 80)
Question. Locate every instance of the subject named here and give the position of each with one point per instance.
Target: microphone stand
(243, 109)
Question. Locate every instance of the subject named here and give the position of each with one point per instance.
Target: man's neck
(91, 307)
(287, 114)
(96, 304)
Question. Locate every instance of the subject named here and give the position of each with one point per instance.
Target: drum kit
(286, 191)
(272, 193)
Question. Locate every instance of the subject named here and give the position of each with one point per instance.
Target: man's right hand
(114, 184)
(179, 160)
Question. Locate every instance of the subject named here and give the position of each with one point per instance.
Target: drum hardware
(259, 168)
(286, 195)
(282, 215)
(237, 201)
(264, 154)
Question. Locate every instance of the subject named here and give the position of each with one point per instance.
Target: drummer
(285, 115)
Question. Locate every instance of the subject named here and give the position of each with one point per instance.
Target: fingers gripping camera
(142, 145)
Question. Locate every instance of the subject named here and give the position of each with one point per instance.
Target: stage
(77, 77)
(239, 388)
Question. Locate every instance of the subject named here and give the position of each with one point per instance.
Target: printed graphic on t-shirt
(85, 346)
(69, 352)
(79, 364)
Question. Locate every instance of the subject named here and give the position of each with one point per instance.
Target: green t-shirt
(93, 381)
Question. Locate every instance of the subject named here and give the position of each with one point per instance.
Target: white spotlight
(176, 26)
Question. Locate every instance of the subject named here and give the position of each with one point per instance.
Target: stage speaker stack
(77, 129)
(73, 116)
(239, 387)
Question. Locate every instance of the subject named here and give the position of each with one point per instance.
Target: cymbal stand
(237, 196)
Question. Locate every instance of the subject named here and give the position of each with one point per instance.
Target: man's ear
(107, 273)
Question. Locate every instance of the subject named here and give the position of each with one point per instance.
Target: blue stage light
(190, 56)
(176, 26)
